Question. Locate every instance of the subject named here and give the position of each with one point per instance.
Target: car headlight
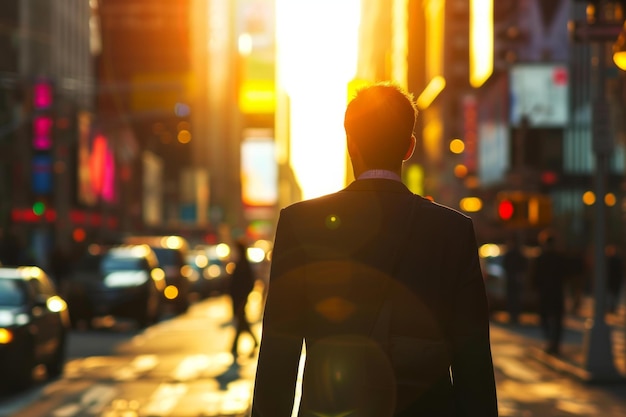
(10, 319)
(56, 304)
(126, 278)
(6, 336)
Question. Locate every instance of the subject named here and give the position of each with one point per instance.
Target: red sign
(470, 133)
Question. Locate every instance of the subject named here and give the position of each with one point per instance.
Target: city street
(181, 367)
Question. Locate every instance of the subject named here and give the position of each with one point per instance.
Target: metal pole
(598, 351)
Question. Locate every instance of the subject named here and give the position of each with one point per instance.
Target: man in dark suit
(338, 257)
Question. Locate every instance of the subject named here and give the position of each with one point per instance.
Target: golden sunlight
(317, 55)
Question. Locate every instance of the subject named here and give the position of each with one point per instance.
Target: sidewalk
(572, 360)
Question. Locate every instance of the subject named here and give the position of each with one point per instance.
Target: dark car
(171, 252)
(34, 323)
(210, 269)
(494, 275)
(120, 281)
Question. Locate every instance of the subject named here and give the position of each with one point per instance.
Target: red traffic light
(506, 210)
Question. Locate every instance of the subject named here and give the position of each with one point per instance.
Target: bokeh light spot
(589, 198)
(184, 136)
(333, 222)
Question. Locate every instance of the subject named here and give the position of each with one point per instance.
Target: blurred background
(205, 117)
(144, 143)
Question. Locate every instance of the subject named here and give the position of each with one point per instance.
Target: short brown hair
(380, 120)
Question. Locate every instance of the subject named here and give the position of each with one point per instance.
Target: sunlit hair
(380, 120)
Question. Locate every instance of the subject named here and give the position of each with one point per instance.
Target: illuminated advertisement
(539, 92)
(152, 188)
(259, 175)
(42, 138)
(41, 174)
(96, 165)
(493, 150)
(257, 54)
(42, 132)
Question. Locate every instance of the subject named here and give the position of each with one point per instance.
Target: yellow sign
(257, 96)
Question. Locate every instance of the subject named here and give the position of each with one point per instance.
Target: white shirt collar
(379, 173)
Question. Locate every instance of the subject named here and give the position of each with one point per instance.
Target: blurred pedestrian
(241, 285)
(615, 277)
(384, 287)
(515, 266)
(59, 264)
(578, 279)
(549, 275)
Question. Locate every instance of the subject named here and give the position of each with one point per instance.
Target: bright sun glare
(317, 54)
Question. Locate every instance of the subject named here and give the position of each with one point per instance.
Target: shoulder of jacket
(445, 211)
(312, 202)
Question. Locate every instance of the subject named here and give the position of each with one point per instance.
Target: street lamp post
(598, 350)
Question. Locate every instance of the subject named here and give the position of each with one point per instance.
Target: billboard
(96, 165)
(259, 172)
(540, 93)
(257, 56)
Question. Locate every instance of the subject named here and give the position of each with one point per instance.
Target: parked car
(121, 281)
(34, 324)
(494, 275)
(210, 269)
(171, 252)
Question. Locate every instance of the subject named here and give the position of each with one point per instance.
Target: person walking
(515, 266)
(614, 277)
(382, 287)
(549, 275)
(241, 285)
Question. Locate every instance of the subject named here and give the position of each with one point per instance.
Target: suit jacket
(331, 267)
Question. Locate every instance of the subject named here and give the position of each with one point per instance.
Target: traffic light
(513, 209)
(519, 209)
(39, 208)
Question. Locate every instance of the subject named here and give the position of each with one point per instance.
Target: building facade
(48, 80)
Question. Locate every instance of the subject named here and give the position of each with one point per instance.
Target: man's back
(334, 257)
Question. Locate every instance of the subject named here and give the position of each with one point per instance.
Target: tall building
(146, 91)
(48, 80)
(177, 87)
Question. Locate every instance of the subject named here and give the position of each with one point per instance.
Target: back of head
(380, 120)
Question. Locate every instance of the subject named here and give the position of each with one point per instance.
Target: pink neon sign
(42, 95)
(42, 132)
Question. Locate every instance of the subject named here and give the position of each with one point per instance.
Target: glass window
(110, 264)
(12, 293)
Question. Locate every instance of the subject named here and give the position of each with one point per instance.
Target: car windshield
(168, 256)
(12, 292)
(113, 264)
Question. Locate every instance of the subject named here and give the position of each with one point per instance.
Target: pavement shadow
(571, 359)
(231, 374)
